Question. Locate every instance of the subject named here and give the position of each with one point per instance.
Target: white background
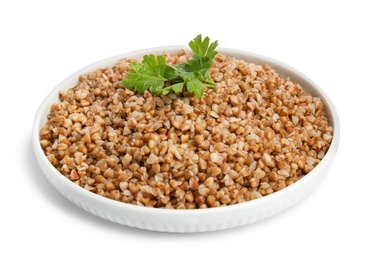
(44, 42)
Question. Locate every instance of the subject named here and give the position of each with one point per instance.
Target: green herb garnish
(153, 72)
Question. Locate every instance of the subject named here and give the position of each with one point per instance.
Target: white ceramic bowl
(197, 220)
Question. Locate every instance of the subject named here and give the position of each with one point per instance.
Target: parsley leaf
(201, 48)
(196, 86)
(176, 88)
(149, 76)
(193, 76)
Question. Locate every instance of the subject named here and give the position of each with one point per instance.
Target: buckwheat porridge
(254, 134)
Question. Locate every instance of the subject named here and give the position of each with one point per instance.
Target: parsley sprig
(156, 76)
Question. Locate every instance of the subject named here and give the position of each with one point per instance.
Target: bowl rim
(42, 159)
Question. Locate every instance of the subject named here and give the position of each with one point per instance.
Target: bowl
(196, 220)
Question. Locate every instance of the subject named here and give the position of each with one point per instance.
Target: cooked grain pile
(254, 134)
